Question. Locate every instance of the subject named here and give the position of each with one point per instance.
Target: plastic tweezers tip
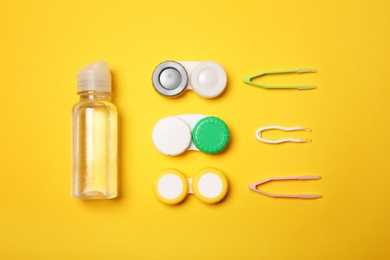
(307, 87)
(306, 70)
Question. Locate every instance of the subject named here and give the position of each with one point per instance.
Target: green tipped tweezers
(248, 80)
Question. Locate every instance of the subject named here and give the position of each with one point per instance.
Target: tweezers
(248, 80)
(298, 196)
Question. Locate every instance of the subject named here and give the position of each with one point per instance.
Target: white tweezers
(278, 141)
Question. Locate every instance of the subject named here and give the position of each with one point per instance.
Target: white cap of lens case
(175, 134)
(208, 79)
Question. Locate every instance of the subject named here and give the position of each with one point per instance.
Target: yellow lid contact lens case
(208, 185)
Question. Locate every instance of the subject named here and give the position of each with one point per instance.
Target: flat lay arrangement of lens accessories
(208, 79)
(174, 135)
(248, 80)
(255, 186)
(278, 141)
(208, 185)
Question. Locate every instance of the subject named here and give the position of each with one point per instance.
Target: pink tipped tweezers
(298, 196)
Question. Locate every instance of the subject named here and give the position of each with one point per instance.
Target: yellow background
(44, 43)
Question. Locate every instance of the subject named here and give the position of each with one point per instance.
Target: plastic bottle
(94, 135)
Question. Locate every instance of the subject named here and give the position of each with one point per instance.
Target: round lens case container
(208, 185)
(170, 187)
(208, 79)
(175, 134)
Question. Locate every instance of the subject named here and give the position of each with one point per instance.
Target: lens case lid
(208, 79)
(170, 78)
(172, 135)
(211, 135)
(170, 186)
(175, 134)
(208, 185)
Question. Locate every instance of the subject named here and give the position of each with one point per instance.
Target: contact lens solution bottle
(94, 135)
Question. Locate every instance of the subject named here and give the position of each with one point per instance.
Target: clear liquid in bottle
(94, 139)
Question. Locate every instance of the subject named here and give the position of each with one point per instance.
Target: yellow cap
(210, 185)
(170, 186)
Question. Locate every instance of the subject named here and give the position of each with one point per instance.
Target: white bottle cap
(95, 76)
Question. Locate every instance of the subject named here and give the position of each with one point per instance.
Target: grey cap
(170, 78)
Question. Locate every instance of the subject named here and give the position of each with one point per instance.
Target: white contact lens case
(208, 79)
(174, 135)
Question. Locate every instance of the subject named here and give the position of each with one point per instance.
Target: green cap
(210, 135)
